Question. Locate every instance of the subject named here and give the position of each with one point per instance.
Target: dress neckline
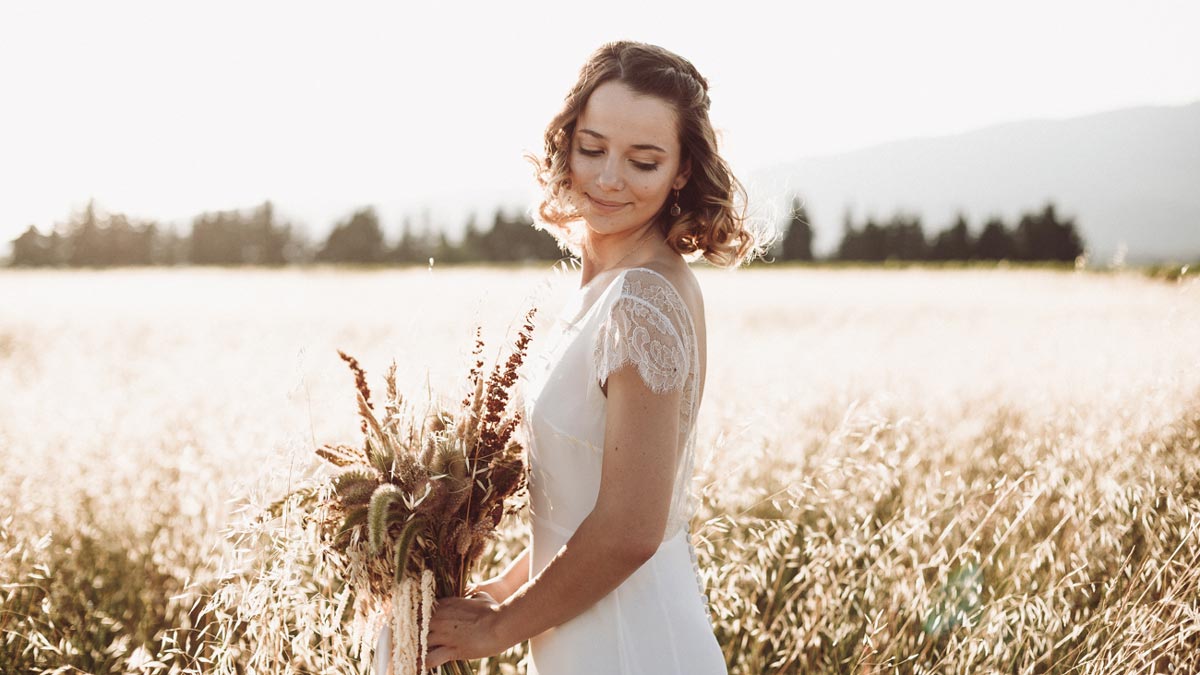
(583, 315)
(582, 290)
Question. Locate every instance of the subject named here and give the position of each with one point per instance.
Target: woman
(609, 584)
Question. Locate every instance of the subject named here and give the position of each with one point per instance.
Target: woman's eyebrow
(640, 146)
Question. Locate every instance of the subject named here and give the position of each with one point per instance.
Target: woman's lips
(604, 207)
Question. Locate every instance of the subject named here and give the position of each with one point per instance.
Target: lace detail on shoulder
(650, 325)
(645, 327)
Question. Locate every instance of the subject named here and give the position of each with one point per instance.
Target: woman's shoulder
(675, 283)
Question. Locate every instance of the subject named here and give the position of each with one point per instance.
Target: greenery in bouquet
(407, 513)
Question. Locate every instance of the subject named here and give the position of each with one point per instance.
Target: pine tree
(953, 243)
(31, 249)
(850, 247)
(995, 242)
(87, 239)
(797, 240)
(355, 240)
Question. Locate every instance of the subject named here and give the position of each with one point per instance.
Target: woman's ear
(684, 175)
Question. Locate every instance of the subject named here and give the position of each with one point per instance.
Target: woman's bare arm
(507, 582)
(627, 523)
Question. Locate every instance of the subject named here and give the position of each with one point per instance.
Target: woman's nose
(610, 177)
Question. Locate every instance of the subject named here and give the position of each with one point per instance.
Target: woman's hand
(502, 586)
(462, 629)
(492, 587)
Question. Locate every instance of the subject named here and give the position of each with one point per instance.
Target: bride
(609, 582)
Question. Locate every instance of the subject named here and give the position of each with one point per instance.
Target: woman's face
(624, 158)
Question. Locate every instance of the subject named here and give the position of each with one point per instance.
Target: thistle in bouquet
(408, 512)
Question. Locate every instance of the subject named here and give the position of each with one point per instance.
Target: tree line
(1036, 236)
(259, 237)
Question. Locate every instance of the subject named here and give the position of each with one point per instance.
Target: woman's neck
(602, 253)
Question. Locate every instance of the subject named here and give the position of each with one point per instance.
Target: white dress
(657, 621)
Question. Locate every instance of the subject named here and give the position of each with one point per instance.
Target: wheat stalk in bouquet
(409, 511)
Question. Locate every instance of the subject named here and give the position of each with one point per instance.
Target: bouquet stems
(424, 489)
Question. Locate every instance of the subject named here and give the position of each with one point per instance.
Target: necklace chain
(645, 237)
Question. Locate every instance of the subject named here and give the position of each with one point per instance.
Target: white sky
(165, 109)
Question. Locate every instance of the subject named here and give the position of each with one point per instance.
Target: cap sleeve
(643, 328)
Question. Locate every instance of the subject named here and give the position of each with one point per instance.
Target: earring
(675, 210)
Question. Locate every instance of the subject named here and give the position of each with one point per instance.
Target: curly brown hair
(713, 217)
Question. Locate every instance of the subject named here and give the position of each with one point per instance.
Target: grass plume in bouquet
(409, 511)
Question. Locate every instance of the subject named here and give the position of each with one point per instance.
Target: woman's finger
(448, 601)
(448, 616)
(453, 608)
(441, 633)
(437, 657)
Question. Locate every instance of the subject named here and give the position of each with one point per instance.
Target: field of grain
(905, 471)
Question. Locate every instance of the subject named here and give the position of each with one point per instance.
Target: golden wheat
(903, 471)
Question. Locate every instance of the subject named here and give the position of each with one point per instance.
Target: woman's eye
(642, 166)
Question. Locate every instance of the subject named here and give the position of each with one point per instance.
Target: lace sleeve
(641, 330)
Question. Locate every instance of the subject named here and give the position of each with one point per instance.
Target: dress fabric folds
(657, 621)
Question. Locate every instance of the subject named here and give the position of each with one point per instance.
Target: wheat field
(904, 471)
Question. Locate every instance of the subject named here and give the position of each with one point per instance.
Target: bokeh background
(195, 117)
(951, 422)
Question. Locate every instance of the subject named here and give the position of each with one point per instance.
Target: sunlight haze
(162, 110)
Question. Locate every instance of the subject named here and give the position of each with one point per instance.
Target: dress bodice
(637, 319)
(658, 619)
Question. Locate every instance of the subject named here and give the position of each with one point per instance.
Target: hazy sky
(166, 109)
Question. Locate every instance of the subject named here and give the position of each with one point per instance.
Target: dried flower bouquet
(408, 513)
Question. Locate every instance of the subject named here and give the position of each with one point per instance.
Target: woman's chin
(603, 225)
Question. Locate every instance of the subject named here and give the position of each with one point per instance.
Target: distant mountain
(1130, 175)
(1127, 176)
